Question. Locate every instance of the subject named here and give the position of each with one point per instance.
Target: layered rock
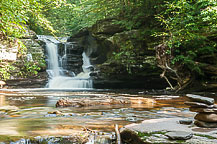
(105, 38)
(26, 57)
(70, 55)
(206, 110)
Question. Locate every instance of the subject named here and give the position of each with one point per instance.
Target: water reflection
(30, 113)
(2, 100)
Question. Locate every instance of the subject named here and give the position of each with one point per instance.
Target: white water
(57, 77)
(53, 66)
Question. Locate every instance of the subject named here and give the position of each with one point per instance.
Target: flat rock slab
(198, 105)
(159, 130)
(206, 117)
(203, 110)
(179, 135)
(197, 98)
(156, 125)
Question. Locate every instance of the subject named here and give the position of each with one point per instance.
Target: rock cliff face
(105, 38)
(70, 54)
(28, 54)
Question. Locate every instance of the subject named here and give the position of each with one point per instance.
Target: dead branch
(118, 136)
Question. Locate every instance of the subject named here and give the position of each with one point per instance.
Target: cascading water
(56, 72)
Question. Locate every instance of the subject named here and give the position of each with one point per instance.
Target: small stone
(198, 105)
(55, 112)
(205, 124)
(197, 98)
(206, 117)
(186, 122)
(179, 135)
(203, 110)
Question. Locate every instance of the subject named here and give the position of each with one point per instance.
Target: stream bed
(32, 114)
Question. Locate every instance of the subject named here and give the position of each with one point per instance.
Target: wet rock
(55, 112)
(93, 74)
(106, 100)
(87, 102)
(198, 105)
(205, 110)
(186, 122)
(197, 98)
(156, 125)
(179, 135)
(129, 136)
(206, 117)
(205, 124)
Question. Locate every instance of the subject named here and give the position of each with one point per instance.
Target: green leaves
(187, 25)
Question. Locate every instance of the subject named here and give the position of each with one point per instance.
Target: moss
(4, 138)
(207, 136)
(140, 134)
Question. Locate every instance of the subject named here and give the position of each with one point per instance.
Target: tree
(187, 28)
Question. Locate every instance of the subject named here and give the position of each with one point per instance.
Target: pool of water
(29, 112)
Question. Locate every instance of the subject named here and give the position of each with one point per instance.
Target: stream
(32, 113)
(29, 116)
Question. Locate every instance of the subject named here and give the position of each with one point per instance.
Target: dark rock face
(105, 38)
(130, 137)
(70, 55)
(96, 49)
(35, 82)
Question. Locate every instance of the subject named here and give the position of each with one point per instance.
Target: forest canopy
(185, 29)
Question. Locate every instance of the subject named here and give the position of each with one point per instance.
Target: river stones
(206, 110)
(179, 135)
(203, 110)
(198, 105)
(206, 117)
(205, 124)
(186, 122)
(197, 98)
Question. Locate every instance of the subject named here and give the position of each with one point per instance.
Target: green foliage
(16, 14)
(5, 71)
(29, 69)
(15, 17)
(187, 25)
(72, 16)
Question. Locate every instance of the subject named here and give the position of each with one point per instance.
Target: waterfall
(53, 66)
(56, 72)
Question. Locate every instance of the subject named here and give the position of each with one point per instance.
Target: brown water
(26, 113)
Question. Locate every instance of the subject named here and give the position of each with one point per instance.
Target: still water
(30, 112)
